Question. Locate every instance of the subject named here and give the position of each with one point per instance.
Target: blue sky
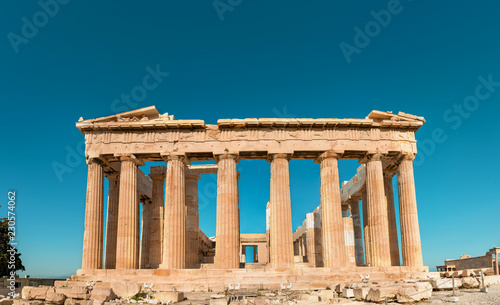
(238, 59)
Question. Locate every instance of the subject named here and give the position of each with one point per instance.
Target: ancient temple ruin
(167, 247)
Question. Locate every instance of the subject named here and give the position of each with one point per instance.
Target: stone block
(339, 288)
(54, 297)
(70, 301)
(218, 302)
(468, 272)
(80, 293)
(347, 293)
(414, 293)
(453, 273)
(125, 290)
(360, 293)
(102, 294)
(326, 295)
(491, 280)
(34, 293)
(24, 302)
(169, 296)
(380, 294)
(4, 301)
(445, 283)
(470, 282)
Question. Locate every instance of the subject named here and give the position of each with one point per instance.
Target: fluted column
(146, 233)
(94, 208)
(497, 267)
(391, 216)
(112, 220)
(174, 238)
(227, 241)
(377, 213)
(281, 213)
(366, 228)
(157, 174)
(268, 228)
(127, 243)
(350, 246)
(314, 249)
(358, 234)
(410, 232)
(192, 221)
(332, 228)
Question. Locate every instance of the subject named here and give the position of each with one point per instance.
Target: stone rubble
(400, 291)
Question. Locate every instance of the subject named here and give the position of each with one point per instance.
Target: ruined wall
(471, 263)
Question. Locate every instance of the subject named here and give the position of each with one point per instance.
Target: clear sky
(236, 59)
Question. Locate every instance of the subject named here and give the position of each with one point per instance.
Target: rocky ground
(465, 297)
(432, 291)
(469, 296)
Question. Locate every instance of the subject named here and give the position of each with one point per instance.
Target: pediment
(143, 114)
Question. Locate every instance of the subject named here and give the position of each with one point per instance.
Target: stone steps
(218, 279)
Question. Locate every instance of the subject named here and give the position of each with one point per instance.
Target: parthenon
(167, 246)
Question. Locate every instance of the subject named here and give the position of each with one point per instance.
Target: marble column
(112, 220)
(146, 233)
(243, 256)
(192, 221)
(94, 209)
(304, 245)
(268, 228)
(358, 234)
(281, 213)
(227, 244)
(332, 229)
(127, 243)
(314, 250)
(377, 213)
(497, 267)
(366, 228)
(174, 237)
(391, 216)
(157, 175)
(410, 233)
(350, 246)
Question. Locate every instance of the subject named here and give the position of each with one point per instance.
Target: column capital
(175, 157)
(354, 199)
(328, 154)
(371, 157)
(112, 175)
(95, 160)
(129, 157)
(157, 172)
(146, 201)
(407, 157)
(275, 156)
(192, 176)
(227, 155)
